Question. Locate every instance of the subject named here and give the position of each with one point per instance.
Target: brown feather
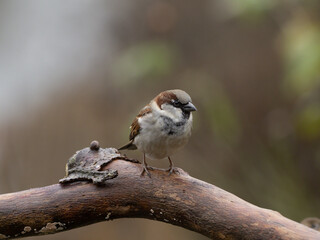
(165, 97)
(135, 126)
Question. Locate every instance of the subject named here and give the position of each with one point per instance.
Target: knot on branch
(87, 164)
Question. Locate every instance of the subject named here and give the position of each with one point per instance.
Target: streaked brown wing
(135, 127)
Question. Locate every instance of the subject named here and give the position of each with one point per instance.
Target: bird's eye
(176, 103)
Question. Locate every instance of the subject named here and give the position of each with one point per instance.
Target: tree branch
(177, 199)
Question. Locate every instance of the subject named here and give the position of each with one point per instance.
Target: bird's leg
(145, 166)
(171, 168)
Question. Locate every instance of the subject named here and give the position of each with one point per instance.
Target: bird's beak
(189, 107)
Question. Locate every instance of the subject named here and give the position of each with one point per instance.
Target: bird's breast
(162, 136)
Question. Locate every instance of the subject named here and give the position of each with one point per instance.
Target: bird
(162, 127)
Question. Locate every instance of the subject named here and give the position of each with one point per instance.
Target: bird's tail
(128, 146)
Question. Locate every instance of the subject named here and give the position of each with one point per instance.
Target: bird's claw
(145, 170)
(172, 170)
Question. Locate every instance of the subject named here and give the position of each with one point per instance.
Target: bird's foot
(172, 170)
(145, 170)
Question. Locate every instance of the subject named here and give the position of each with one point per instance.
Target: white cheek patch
(171, 112)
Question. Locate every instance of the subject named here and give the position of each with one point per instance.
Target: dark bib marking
(171, 127)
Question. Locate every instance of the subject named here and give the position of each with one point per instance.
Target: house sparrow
(162, 127)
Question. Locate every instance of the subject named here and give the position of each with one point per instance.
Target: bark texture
(177, 199)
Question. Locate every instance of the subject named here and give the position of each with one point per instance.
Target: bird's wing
(135, 126)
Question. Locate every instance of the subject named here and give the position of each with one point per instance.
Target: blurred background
(74, 71)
